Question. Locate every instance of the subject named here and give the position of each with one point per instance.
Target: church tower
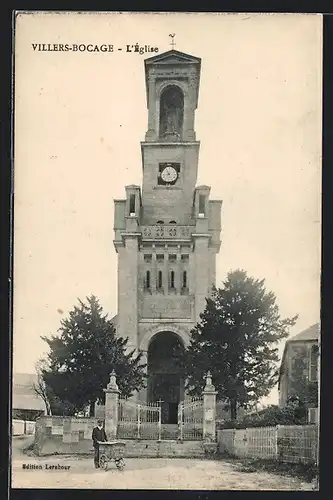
(167, 233)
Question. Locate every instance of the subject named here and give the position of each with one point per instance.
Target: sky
(79, 120)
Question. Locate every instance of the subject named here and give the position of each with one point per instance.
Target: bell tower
(167, 234)
(170, 151)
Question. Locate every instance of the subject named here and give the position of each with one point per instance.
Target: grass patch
(304, 472)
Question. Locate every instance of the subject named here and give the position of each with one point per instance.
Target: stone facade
(167, 233)
(306, 346)
(64, 435)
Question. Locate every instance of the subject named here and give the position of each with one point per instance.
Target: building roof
(311, 333)
(24, 396)
(27, 402)
(24, 379)
(172, 56)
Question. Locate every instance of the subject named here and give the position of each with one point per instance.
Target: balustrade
(166, 231)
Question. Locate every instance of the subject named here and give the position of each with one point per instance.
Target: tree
(53, 404)
(28, 415)
(236, 339)
(84, 354)
(292, 414)
(40, 388)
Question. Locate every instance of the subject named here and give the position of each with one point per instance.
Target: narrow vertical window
(172, 279)
(132, 204)
(148, 279)
(160, 281)
(202, 204)
(184, 279)
(313, 375)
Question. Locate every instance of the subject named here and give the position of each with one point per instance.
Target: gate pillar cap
(112, 385)
(209, 387)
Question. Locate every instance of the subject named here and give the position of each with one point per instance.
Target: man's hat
(100, 422)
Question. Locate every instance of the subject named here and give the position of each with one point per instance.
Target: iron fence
(139, 420)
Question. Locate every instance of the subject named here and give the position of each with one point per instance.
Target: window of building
(160, 222)
(159, 279)
(184, 258)
(172, 257)
(147, 257)
(132, 204)
(160, 257)
(184, 279)
(172, 222)
(202, 203)
(147, 284)
(172, 279)
(313, 372)
(171, 113)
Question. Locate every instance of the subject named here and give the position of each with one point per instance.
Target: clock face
(169, 174)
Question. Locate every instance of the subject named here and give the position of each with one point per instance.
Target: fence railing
(139, 420)
(287, 443)
(190, 419)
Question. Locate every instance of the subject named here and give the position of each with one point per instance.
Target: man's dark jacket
(98, 435)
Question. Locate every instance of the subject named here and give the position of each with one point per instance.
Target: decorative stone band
(166, 232)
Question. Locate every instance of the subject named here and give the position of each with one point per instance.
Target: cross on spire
(172, 43)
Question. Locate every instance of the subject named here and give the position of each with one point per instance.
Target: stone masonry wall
(64, 435)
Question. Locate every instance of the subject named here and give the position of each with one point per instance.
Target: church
(166, 232)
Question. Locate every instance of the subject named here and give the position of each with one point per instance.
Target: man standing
(98, 434)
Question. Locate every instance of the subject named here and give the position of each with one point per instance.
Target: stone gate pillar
(111, 407)
(143, 393)
(209, 401)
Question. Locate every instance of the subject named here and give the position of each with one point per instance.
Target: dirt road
(175, 473)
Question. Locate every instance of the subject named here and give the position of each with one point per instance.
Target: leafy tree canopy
(237, 340)
(294, 413)
(84, 354)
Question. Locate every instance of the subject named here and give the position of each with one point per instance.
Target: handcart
(111, 450)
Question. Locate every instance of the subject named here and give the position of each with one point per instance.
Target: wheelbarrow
(111, 451)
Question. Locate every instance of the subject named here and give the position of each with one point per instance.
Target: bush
(292, 414)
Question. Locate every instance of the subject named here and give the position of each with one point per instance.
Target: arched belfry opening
(171, 113)
(164, 378)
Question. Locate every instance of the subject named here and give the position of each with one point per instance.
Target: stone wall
(225, 441)
(174, 307)
(70, 435)
(286, 443)
(64, 435)
(21, 427)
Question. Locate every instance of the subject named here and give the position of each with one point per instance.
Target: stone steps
(164, 448)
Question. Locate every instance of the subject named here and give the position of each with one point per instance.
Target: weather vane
(173, 43)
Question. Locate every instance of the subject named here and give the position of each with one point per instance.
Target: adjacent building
(26, 404)
(299, 372)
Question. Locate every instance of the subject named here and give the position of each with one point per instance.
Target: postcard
(167, 250)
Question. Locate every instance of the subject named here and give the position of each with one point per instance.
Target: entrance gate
(144, 421)
(190, 420)
(139, 420)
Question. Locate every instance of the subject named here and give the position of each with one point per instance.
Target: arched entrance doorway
(164, 378)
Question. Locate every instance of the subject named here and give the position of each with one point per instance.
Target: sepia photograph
(166, 251)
